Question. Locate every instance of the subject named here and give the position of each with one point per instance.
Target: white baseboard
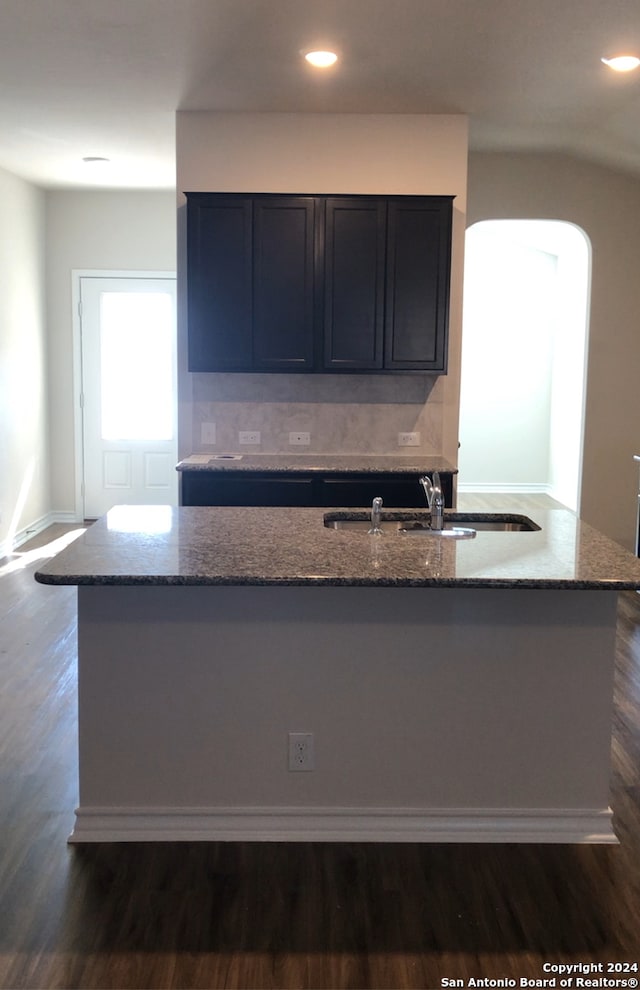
(12, 543)
(489, 487)
(26, 533)
(68, 518)
(341, 825)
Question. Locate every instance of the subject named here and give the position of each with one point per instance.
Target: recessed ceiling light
(95, 158)
(321, 60)
(622, 63)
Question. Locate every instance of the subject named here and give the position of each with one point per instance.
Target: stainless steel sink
(363, 525)
(450, 530)
(400, 526)
(498, 522)
(458, 524)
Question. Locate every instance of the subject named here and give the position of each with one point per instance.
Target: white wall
(569, 364)
(326, 153)
(24, 468)
(125, 231)
(507, 352)
(606, 205)
(526, 293)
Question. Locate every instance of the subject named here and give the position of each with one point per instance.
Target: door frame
(76, 275)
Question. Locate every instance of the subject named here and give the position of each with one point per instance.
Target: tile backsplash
(343, 413)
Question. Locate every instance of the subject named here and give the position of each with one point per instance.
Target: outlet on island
(249, 437)
(301, 752)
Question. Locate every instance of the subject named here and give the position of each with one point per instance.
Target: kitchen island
(454, 690)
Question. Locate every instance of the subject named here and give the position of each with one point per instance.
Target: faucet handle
(376, 513)
(427, 486)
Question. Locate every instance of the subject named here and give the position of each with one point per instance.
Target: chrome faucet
(435, 499)
(376, 516)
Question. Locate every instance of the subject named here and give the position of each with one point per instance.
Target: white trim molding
(13, 542)
(497, 487)
(559, 825)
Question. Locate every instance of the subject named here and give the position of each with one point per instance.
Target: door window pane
(136, 348)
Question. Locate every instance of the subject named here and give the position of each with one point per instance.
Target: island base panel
(438, 714)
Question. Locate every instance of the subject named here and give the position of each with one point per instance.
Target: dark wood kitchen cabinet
(386, 283)
(354, 257)
(283, 283)
(417, 284)
(300, 488)
(250, 282)
(219, 282)
(245, 488)
(318, 283)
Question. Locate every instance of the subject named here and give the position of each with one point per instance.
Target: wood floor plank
(278, 915)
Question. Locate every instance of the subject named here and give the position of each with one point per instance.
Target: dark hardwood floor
(200, 915)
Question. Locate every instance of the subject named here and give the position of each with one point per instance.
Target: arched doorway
(524, 346)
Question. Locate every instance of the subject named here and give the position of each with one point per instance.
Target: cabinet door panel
(211, 488)
(219, 283)
(417, 282)
(353, 492)
(354, 283)
(283, 284)
(396, 490)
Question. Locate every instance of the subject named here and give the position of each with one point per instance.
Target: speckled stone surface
(338, 463)
(158, 545)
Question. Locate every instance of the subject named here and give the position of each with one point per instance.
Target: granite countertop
(159, 545)
(338, 463)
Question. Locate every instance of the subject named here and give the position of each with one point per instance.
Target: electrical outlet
(301, 752)
(408, 439)
(300, 439)
(208, 433)
(249, 436)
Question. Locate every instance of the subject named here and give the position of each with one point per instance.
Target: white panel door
(129, 405)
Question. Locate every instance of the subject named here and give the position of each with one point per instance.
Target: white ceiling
(105, 77)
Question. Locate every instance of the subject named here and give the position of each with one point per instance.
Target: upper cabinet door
(283, 283)
(354, 247)
(417, 283)
(219, 280)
